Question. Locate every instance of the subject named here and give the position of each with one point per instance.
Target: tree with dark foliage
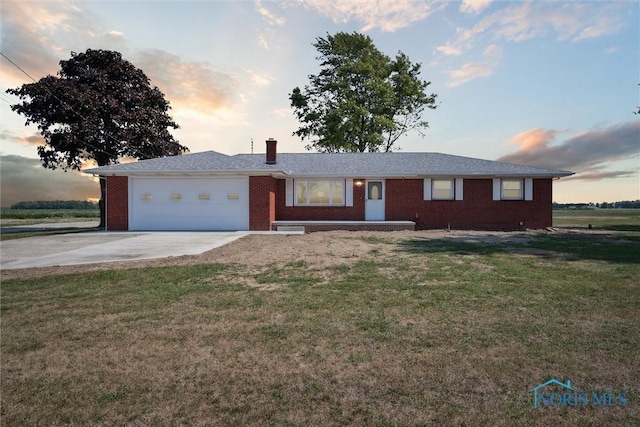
(100, 107)
(362, 100)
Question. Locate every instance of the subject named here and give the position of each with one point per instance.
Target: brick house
(373, 191)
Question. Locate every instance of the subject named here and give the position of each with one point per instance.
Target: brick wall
(117, 203)
(476, 211)
(262, 202)
(327, 213)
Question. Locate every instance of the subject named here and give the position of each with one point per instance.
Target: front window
(442, 189)
(374, 190)
(319, 192)
(512, 189)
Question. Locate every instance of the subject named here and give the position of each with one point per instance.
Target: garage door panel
(189, 204)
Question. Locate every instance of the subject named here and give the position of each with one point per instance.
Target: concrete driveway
(105, 246)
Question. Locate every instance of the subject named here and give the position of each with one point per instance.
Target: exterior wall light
(359, 183)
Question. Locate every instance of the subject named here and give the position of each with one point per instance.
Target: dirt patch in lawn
(322, 249)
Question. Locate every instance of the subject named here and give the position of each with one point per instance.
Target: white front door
(374, 201)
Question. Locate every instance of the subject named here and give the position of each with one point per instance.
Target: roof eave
(120, 172)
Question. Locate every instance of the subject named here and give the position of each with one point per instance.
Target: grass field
(48, 213)
(442, 332)
(608, 219)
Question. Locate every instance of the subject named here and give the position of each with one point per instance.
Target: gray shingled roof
(208, 161)
(356, 165)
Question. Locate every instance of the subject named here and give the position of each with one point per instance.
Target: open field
(608, 219)
(9, 217)
(339, 328)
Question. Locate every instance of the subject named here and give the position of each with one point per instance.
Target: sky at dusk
(542, 83)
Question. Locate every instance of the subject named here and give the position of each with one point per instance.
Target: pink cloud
(533, 138)
(188, 85)
(35, 139)
(588, 153)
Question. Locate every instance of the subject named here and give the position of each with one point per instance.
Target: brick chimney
(271, 151)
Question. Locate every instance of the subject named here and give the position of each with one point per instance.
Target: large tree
(99, 107)
(362, 100)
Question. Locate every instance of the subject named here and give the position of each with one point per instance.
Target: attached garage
(212, 203)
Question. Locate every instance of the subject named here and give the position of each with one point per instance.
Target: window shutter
(289, 193)
(528, 189)
(459, 185)
(349, 192)
(496, 189)
(427, 189)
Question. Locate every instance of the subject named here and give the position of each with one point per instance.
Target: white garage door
(189, 203)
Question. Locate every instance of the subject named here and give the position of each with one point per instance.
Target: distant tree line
(56, 204)
(625, 204)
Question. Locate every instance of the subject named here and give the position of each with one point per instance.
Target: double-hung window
(442, 189)
(319, 192)
(512, 189)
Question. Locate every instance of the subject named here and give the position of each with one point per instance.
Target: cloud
(268, 15)
(188, 85)
(262, 41)
(574, 21)
(588, 153)
(474, 6)
(533, 138)
(50, 30)
(281, 112)
(258, 79)
(468, 72)
(37, 35)
(598, 176)
(268, 32)
(24, 179)
(449, 49)
(387, 16)
(34, 139)
(493, 50)
(475, 70)
(27, 32)
(605, 26)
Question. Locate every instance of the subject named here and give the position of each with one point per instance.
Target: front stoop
(312, 226)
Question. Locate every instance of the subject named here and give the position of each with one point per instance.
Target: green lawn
(416, 331)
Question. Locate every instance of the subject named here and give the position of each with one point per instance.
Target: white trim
(426, 195)
(459, 187)
(497, 189)
(106, 191)
(528, 189)
(129, 201)
(289, 192)
(348, 192)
